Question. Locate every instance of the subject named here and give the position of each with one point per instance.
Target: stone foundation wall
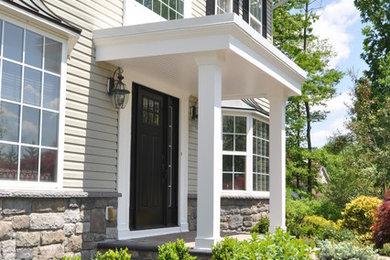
(52, 225)
(238, 213)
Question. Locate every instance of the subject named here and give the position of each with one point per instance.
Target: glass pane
(240, 143)
(32, 87)
(148, 4)
(51, 92)
(180, 8)
(239, 163)
(266, 130)
(172, 14)
(241, 125)
(172, 4)
(164, 11)
(264, 182)
(8, 162)
(239, 181)
(30, 126)
(227, 142)
(267, 183)
(49, 128)
(29, 164)
(34, 49)
(1, 32)
(228, 122)
(227, 181)
(13, 41)
(53, 55)
(227, 163)
(266, 165)
(48, 165)
(12, 81)
(156, 6)
(256, 182)
(9, 122)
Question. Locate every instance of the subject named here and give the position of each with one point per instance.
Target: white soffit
(249, 58)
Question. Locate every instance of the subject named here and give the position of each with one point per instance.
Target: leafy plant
(174, 251)
(261, 227)
(385, 250)
(381, 227)
(359, 215)
(272, 246)
(345, 250)
(114, 255)
(339, 235)
(71, 258)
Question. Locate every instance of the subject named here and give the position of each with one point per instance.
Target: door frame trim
(124, 153)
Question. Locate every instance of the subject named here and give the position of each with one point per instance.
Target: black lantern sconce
(194, 112)
(116, 89)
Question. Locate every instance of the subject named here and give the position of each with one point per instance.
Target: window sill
(63, 194)
(245, 194)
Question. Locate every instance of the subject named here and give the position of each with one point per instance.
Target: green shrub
(385, 250)
(71, 258)
(327, 210)
(359, 215)
(261, 227)
(339, 235)
(114, 255)
(272, 246)
(174, 251)
(345, 250)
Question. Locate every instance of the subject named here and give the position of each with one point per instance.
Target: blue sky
(339, 23)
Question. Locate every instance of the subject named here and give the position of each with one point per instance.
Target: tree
(293, 35)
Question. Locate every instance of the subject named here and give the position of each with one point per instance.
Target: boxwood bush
(345, 250)
(261, 227)
(174, 251)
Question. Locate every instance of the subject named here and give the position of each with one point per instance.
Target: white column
(183, 164)
(277, 141)
(209, 151)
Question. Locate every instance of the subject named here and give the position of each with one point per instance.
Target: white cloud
(333, 23)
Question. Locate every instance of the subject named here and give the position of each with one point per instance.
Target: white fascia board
(41, 23)
(201, 34)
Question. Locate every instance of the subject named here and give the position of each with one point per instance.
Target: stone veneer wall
(238, 213)
(49, 225)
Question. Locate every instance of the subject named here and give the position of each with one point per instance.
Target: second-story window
(255, 14)
(169, 9)
(223, 6)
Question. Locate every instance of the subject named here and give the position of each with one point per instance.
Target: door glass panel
(13, 42)
(9, 122)
(30, 126)
(34, 49)
(32, 87)
(11, 81)
(29, 164)
(8, 162)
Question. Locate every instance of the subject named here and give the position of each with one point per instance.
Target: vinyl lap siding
(193, 151)
(198, 8)
(91, 123)
(269, 21)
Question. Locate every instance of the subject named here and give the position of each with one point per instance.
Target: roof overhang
(252, 67)
(27, 16)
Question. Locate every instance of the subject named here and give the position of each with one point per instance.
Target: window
(245, 153)
(223, 6)
(255, 14)
(30, 76)
(169, 9)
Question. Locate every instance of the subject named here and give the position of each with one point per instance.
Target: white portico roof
(252, 66)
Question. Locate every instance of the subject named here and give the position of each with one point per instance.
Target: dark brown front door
(153, 188)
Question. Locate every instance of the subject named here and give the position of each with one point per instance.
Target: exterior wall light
(116, 89)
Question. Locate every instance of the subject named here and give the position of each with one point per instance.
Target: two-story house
(195, 140)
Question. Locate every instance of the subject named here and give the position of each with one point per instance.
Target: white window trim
(254, 19)
(18, 185)
(248, 192)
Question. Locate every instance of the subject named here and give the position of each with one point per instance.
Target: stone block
(98, 221)
(52, 237)
(247, 223)
(24, 253)
(247, 218)
(74, 203)
(16, 206)
(89, 245)
(40, 221)
(224, 226)
(8, 249)
(111, 233)
(88, 237)
(99, 237)
(113, 202)
(27, 239)
(85, 215)
(48, 205)
(83, 227)
(69, 229)
(72, 215)
(74, 243)
(101, 203)
(51, 251)
(5, 230)
(21, 222)
(246, 211)
(235, 221)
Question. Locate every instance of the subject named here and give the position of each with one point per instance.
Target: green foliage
(174, 251)
(381, 227)
(261, 227)
(345, 250)
(359, 215)
(338, 234)
(114, 255)
(272, 246)
(71, 258)
(385, 250)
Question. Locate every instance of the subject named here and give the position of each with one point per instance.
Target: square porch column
(277, 174)
(209, 151)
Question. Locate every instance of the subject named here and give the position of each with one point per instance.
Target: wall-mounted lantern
(116, 89)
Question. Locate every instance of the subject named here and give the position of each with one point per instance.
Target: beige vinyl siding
(198, 8)
(193, 151)
(269, 20)
(91, 123)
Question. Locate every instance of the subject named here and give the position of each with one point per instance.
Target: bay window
(30, 79)
(245, 153)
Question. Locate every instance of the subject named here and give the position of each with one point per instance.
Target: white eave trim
(201, 34)
(41, 23)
